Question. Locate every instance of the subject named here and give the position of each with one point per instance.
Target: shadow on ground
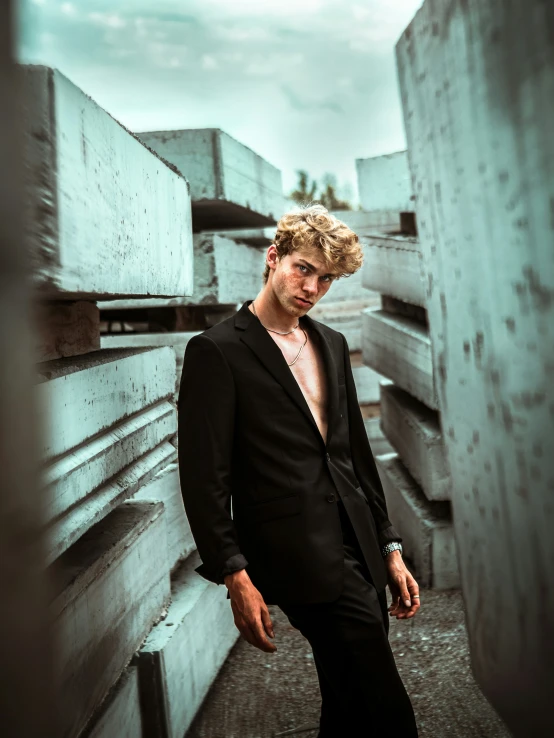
(257, 695)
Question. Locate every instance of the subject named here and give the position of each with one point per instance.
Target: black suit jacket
(248, 437)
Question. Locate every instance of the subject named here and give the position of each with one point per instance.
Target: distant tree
(329, 197)
(304, 192)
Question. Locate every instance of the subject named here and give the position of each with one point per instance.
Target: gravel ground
(257, 695)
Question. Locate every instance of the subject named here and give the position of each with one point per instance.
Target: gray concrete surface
(384, 182)
(165, 487)
(392, 266)
(256, 695)
(231, 186)
(477, 88)
(94, 232)
(399, 348)
(66, 329)
(112, 586)
(426, 527)
(414, 431)
(119, 715)
(183, 653)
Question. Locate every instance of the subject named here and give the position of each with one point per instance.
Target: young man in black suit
(269, 419)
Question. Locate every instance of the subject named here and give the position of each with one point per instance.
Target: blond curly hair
(313, 228)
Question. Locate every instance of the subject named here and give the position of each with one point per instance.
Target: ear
(272, 257)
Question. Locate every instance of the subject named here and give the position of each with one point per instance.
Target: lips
(304, 302)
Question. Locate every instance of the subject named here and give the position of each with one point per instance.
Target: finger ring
(415, 597)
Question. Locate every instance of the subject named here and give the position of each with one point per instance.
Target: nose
(310, 284)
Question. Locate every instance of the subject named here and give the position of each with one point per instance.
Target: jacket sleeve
(363, 461)
(206, 416)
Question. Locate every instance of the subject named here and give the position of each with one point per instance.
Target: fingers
(266, 621)
(407, 602)
(253, 629)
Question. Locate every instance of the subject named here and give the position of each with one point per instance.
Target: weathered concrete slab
(367, 384)
(384, 183)
(363, 221)
(183, 654)
(66, 329)
(414, 431)
(483, 169)
(112, 585)
(379, 444)
(75, 521)
(94, 232)
(346, 316)
(426, 527)
(177, 341)
(225, 272)
(119, 715)
(165, 487)
(71, 478)
(231, 186)
(86, 395)
(257, 237)
(400, 349)
(392, 266)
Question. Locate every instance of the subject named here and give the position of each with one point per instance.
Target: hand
(250, 611)
(403, 587)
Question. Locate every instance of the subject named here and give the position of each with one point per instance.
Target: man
(269, 418)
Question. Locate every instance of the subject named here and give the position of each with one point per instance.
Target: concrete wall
(94, 232)
(477, 86)
(231, 186)
(384, 183)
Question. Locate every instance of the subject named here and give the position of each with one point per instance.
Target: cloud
(308, 84)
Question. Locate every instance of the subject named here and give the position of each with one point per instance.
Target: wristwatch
(392, 546)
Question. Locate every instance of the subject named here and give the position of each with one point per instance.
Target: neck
(272, 314)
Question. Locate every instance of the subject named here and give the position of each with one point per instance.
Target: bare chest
(309, 372)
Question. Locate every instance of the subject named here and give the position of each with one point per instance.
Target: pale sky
(307, 84)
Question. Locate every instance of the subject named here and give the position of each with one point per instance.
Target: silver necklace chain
(271, 329)
(286, 334)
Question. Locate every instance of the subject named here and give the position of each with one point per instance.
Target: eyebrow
(307, 263)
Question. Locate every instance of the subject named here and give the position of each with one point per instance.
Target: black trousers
(362, 693)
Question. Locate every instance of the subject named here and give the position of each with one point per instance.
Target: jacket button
(327, 457)
(331, 498)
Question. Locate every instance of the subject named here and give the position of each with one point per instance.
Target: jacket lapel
(255, 336)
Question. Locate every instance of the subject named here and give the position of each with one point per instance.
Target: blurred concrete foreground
(105, 278)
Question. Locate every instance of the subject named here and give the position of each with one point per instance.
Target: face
(299, 280)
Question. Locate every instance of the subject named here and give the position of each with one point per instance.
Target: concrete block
(384, 183)
(182, 655)
(231, 186)
(67, 329)
(367, 384)
(379, 444)
(426, 527)
(257, 237)
(363, 221)
(400, 349)
(225, 272)
(414, 431)
(95, 233)
(345, 316)
(86, 395)
(477, 89)
(392, 266)
(68, 528)
(119, 715)
(112, 585)
(176, 341)
(165, 487)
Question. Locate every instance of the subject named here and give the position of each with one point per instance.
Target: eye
(301, 266)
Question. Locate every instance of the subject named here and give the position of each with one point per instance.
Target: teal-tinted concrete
(106, 216)
(477, 88)
(384, 183)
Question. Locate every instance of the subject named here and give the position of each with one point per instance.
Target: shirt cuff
(233, 563)
(388, 535)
